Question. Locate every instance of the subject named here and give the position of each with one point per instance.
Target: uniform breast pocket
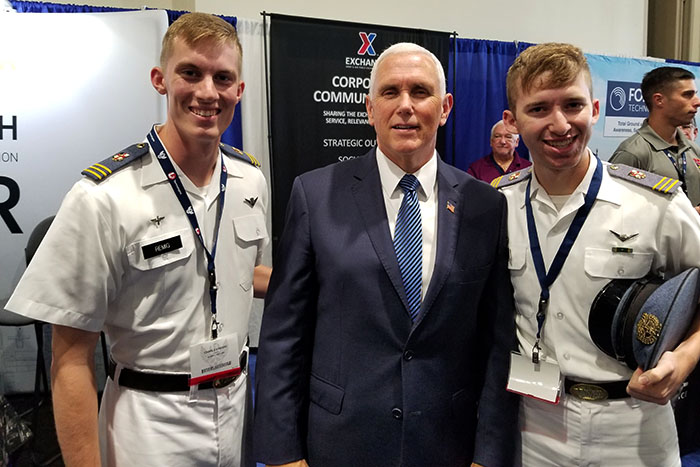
(607, 264)
(160, 281)
(250, 234)
(525, 286)
(516, 257)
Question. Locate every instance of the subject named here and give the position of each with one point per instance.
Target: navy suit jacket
(343, 377)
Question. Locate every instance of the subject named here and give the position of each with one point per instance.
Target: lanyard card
(214, 359)
(538, 380)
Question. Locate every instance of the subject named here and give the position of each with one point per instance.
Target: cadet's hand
(299, 463)
(661, 383)
(697, 208)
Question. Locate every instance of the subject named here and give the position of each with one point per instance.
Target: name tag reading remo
(161, 247)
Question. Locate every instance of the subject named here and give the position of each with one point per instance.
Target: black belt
(169, 382)
(596, 391)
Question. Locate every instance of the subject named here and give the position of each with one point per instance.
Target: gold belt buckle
(588, 392)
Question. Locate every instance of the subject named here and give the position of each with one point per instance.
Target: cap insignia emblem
(648, 329)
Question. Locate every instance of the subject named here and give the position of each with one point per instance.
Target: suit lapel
(367, 192)
(449, 212)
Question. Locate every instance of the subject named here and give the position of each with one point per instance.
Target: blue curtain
(43, 7)
(233, 134)
(681, 62)
(477, 77)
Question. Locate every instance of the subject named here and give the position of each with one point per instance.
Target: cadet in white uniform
(124, 255)
(630, 231)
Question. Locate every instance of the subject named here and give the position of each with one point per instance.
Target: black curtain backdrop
(319, 77)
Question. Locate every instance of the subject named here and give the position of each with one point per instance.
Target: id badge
(538, 380)
(214, 359)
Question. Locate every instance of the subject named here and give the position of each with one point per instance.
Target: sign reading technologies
(319, 77)
(625, 110)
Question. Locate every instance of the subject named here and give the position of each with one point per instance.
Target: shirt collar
(152, 173)
(608, 191)
(232, 168)
(391, 174)
(658, 143)
(516, 162)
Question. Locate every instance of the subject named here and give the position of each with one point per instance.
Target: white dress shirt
(390, 175)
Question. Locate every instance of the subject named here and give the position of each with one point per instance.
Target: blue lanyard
(680, 170)
(547, 278)
(181, 194)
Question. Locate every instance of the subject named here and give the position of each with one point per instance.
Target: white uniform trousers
(614, 433)
(142, 428)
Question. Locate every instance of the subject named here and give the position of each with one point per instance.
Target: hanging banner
(617, 83)
(319, 77)
(65, 103)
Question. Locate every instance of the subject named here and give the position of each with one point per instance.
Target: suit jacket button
(408, 355)
(397, 413)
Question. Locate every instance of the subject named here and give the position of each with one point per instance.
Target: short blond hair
(561, 62)
(195, 28)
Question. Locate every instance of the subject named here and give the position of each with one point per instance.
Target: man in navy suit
(352, 371)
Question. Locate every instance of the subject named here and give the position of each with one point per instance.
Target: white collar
(391, 174)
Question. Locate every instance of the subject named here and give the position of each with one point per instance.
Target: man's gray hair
(408, 47)
(493, 129)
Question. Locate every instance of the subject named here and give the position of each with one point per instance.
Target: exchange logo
(366, 47)
(617, 98)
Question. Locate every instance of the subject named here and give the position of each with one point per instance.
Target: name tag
(214, 359)
(161, 247)
(539, 380)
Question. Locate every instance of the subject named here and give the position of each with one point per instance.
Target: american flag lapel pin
(450, 207)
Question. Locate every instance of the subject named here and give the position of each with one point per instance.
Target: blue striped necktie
(408, 243)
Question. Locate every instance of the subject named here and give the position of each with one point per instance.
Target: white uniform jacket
(668, 235)
(90, 271)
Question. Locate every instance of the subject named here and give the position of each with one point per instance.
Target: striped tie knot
(409, 183)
